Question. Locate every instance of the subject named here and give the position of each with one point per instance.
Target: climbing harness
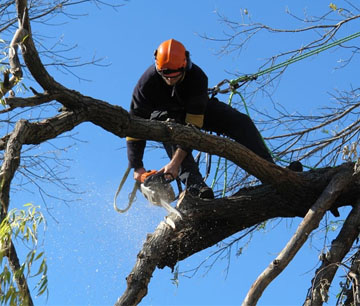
(233, 85)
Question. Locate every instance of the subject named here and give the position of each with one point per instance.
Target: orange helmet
(171, 55)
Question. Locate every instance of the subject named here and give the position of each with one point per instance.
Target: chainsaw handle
(145, 175)
(149, 173)
(163, 175)
(168, 180)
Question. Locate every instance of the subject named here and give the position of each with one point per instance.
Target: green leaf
(24, 86)
(26, 36)
(43, 287)
(22, 224)
(31, 256)
(39, 255)
(333, 6)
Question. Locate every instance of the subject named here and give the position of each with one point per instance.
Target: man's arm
(141, 107)
(171, 170)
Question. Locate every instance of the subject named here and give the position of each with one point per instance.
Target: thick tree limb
(324, 275)
(117, 121)
(208, 222)
(310, 222)
(11, 162)
(8, 168)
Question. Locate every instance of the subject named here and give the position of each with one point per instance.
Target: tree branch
(29, 52)
(38, 132)
(20, 279)
(38, 99)
(8, 169)
(11, 162)
(333, 258)
(310, 222)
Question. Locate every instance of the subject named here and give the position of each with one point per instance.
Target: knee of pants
(224, 119)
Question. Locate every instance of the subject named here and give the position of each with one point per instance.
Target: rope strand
(234, 85)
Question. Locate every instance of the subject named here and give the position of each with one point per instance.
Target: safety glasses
(170, 73)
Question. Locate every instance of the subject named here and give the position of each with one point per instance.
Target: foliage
(22, 225)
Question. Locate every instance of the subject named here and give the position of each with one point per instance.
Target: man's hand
(138, 172)
(171, 170)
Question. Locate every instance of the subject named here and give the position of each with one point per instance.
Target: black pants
(224, 120)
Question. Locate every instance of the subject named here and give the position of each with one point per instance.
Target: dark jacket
(153, 99)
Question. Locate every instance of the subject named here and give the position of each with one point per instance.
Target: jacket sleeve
(140, 107)
(135, 152)
(195, 113)
(197, 97)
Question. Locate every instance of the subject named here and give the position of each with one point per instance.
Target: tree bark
(8, 169)
(309, 223)
(318, 293)
(207, 222)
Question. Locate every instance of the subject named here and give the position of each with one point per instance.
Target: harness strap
(132, 195)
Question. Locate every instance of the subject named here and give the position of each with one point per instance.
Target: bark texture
(349, 233)
(310, 222)
(210, 221)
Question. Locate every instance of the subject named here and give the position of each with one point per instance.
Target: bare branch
(39, 99)
(318, 293)
(310, 222)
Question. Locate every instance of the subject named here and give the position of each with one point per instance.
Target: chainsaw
(154, 187)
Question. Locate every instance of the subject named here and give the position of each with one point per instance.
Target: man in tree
(177, 89)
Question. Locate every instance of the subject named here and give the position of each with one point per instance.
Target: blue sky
(90, 248)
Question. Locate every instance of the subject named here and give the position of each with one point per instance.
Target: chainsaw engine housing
(157, 190)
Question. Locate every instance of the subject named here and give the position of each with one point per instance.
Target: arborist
(177, 89)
